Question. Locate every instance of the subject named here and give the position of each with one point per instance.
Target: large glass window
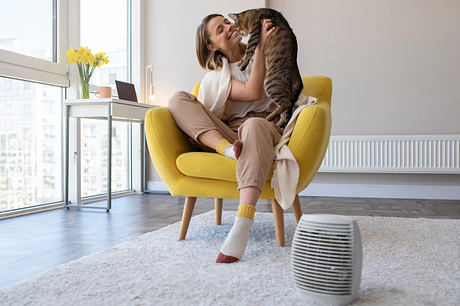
(30, 144)
(104, 27)
(94, 157)
(28, 27)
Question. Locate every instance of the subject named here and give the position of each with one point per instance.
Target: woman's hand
(266, 31)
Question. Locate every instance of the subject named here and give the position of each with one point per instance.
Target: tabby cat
(283, 83)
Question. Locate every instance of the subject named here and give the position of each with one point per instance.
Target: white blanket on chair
(214, 91)
(286, 170)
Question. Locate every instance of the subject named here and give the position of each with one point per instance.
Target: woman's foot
(229, 150)
(237, 146)
(235, 243)
(222, 258)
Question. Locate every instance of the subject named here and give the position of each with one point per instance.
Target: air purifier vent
(326, 258)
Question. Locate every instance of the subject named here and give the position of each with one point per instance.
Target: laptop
(126, 91)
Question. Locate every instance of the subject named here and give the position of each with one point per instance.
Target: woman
(236, 128)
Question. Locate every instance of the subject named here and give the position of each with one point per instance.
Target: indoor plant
(86, 63)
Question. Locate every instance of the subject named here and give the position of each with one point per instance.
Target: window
(33, 41)
(30, 144)
(34, 38)
(94, 157)
(104, 27)
(30, 28)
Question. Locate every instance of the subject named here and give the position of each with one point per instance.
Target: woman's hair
(208, 59)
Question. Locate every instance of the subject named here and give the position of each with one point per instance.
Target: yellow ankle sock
(246, 211)
(222, 145)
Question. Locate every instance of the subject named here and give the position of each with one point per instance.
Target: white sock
(235, 243)
(225, 148)
(229, 152)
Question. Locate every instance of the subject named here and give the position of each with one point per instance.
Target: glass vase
(84, 89)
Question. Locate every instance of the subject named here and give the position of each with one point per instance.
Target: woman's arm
(253, 89)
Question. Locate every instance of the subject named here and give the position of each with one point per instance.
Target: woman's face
(222, 34)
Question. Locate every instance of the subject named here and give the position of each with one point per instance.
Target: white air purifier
(327, 259)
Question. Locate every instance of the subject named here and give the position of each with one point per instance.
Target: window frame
(28, 68)
(31, 69)
(136, 145)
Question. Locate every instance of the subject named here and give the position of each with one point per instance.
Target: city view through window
(31, 117)
(30, 144)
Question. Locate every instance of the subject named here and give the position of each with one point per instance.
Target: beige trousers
(258, 135)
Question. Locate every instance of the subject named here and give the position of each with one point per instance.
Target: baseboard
(156, 187)
(428, 192)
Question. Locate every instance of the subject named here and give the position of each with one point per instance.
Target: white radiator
(393, 154)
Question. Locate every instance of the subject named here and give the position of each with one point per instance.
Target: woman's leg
(196, 121)
(249, 196)
(210, 138)
(259, 137)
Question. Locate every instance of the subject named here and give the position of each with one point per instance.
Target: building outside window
(30, 144)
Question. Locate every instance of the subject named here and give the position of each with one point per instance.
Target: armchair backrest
(316, 86)
(319, 87)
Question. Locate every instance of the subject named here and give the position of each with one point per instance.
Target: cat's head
(244, 21)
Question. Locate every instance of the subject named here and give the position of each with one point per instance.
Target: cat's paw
(281, 124)
(270, 117)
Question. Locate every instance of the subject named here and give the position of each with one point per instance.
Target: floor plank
(35, 243)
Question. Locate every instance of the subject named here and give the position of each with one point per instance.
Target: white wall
(394, 65)
(170, 40)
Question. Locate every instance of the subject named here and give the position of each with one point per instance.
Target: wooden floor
(35, 243)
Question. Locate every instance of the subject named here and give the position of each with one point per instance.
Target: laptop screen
(126, 91)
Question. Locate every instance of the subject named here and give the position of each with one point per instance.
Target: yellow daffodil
(86, 63)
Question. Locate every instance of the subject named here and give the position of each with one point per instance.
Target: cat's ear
(233, 16)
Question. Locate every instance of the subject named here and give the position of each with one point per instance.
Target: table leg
(109, 158)
(66, 158)
(142, 184)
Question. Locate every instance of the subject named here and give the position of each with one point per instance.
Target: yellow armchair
(202, 174)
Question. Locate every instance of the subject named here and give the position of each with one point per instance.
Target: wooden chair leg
(297, 209)
(218, 208)
(278, 218)
(186, 216)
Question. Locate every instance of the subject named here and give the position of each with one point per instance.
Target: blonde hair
(208, 59)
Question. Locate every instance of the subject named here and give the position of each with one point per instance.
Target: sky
(23, 19)
(103, 23)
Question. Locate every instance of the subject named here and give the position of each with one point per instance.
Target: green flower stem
(85, 72)
(84, 90)
(84, 82)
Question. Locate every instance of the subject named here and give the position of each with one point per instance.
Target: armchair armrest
(165, 142)
(310, 137)
(309, 141)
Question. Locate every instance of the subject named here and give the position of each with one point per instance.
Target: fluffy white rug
(406, 262)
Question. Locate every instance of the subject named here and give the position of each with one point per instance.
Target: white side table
(111, 109)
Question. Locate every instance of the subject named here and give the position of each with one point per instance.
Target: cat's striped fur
(283, 83)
